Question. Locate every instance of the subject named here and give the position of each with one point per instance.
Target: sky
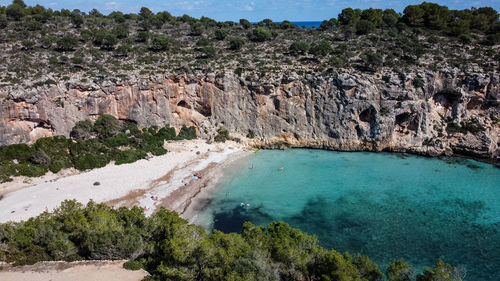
(253, 10)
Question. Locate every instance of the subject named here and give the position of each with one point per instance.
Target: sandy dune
(147, 183)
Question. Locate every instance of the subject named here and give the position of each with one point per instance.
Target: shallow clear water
(378, 204)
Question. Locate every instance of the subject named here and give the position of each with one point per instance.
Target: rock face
(344, 111)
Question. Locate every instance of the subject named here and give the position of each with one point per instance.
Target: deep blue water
(307, 24)
(381, 205)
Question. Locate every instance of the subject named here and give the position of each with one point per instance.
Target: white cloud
(249, 7)
(111, 5)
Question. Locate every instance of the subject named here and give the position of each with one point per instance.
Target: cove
(381, 205)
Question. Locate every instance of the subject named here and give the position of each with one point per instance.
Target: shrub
(322, 48)
(82, 130)
(197, 29)
(160, 43)
(209, 51)
(221, 34)
(236, 43)
(109, 42)
(3, 21)
(89, 161)
(364, 27)
(187, 133)
(133, 265)
(39, 157)
(29, 170)
(245, 23)
(106, 126)
(371, 59)
(66, 43)
(300, 47)
(203, 42)
(465, 38)
(57, 150)
(166, 133)
(121, 31)
(21, 152)
(129, 156)
(120, 139)
(259, 34)
(250, 134)
(222, 135)
(418, 82)
(142, 36)
(15, 12)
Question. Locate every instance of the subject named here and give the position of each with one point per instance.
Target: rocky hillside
(427, 112)
(424, 81)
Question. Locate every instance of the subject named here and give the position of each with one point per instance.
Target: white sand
(75, 271)
(145, 182)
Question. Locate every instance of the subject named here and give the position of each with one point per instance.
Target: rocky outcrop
(348, 110)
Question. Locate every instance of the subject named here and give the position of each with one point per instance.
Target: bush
(57, 150)
(222, 135)
(300, 47)
(20, 152)
(106, 126)
(120, 139)
(15, 12)
(364, 27)
(250, 134)
(209, 51)
(236, 43)
(245, 23)
(418, 82)
(259, 34)
(221, 34)
(121, 31)
(129, 156)
(133, 265)
(322, 48)
(197, 29)
(160, 44)
(39, 157)
(66, 43)
(3, 21)
(82, 130)
(89, 161)
(142, 36)
(166, 133)
(187, 133)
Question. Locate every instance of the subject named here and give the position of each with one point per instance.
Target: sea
(386, 206)
(307, 24)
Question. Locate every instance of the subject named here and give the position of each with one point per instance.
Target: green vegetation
(299, 48)
(222, 135)
(94, 47)
(468, 126)
(93, 145)
(171, 249)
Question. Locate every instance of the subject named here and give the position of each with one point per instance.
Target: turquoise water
(378, 204)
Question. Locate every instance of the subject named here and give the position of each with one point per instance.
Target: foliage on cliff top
(171, 249)
(94, 47)
(93, 145)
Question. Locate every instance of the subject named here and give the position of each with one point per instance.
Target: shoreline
(173, 187)
(150, 184)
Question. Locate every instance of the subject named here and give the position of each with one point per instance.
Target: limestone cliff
(425, 112)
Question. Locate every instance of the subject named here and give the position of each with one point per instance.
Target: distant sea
(307, 24)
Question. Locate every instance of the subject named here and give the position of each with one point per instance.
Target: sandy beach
(75, 271)
(170, 181)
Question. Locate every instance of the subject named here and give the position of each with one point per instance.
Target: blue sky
(254, 10)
